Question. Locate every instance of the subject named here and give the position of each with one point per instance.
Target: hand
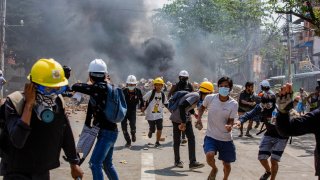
(76, 171)
(143, 109)
(284, 99)
(182, 127)
(237, 124)
(199, 125)
(30, 93)
(228, 127)
(252, 103)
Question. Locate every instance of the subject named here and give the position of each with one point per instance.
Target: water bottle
(274, 117)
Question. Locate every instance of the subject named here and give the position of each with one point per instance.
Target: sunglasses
(268, 105)
(51, 90)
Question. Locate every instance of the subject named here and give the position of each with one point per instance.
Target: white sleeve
(234, 112)
(206, 100)
(146, 97)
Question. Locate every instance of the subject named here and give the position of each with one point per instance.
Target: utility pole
(3, 32)
(289, 16)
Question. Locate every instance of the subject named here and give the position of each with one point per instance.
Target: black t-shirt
(133, 98)
(247, 97)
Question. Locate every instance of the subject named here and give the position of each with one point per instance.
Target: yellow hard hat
(206, 87)
(48, 72)
(158, 81)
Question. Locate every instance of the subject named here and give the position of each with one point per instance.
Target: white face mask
(131, 88)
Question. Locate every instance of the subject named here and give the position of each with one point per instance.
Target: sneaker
(265, 176)
(249, 135)
(128, 145)
(184, 141)
(149, 134)
(240, 135)
(179, 164)
(257, 125)
(195, 165)
(133, 138)
(157, 144)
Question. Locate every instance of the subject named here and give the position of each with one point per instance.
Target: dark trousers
(177, 140)
(131, 117)
(25, 176)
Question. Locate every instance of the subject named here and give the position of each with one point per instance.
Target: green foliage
(306, 10)
(235, 24)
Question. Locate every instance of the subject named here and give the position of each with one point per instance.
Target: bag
(152, 97)
(17, 100)
(175, 99)
(116, 106)
(86, 141)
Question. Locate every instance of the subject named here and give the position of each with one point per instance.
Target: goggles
(268, 105)
(51, 90)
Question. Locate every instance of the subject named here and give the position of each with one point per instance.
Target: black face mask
(184, 79)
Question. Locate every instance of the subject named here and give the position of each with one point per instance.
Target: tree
(306, 10)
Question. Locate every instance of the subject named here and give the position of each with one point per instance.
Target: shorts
(226, 149)
(271, 146)
(155, 123)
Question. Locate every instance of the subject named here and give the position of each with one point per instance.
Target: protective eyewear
(268, 105)
(51, 90)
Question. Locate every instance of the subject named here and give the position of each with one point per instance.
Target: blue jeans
(102, 156)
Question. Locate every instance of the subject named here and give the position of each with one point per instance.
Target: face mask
(131, 88)
(268, 105)
(224, 91)
(43, 107)
(184, 79)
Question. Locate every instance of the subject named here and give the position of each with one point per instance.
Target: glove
(284, 99)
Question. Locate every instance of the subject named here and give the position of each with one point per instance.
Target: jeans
(102, 156)
(177, 141)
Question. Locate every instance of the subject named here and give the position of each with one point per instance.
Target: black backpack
(152, 97)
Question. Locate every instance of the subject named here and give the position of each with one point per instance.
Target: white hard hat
(131, 79)
(265, 83)
(98, 65)
(1, 72)
(205, 79)
(184, 73)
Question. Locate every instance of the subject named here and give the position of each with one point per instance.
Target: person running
(37, 127)
(314, 99)
(302, 96)
(182, 85)
(67, 72)
(182, 121)
(102, 153)
(3, 81)
(298, 126)
(272, 143)
(222, 111)
(247, 102)
(133, 96)
(155, 101)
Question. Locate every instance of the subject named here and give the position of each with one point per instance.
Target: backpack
(17, 100)
(116, 106)
(152, 97)
(175, 99)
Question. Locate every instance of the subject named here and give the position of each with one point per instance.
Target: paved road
(138, 163)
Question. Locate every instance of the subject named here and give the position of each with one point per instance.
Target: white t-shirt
(154, 110)
(218, 115)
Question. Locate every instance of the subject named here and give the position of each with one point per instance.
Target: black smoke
(75, 32)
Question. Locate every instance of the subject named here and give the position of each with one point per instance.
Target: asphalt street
(143, 161)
